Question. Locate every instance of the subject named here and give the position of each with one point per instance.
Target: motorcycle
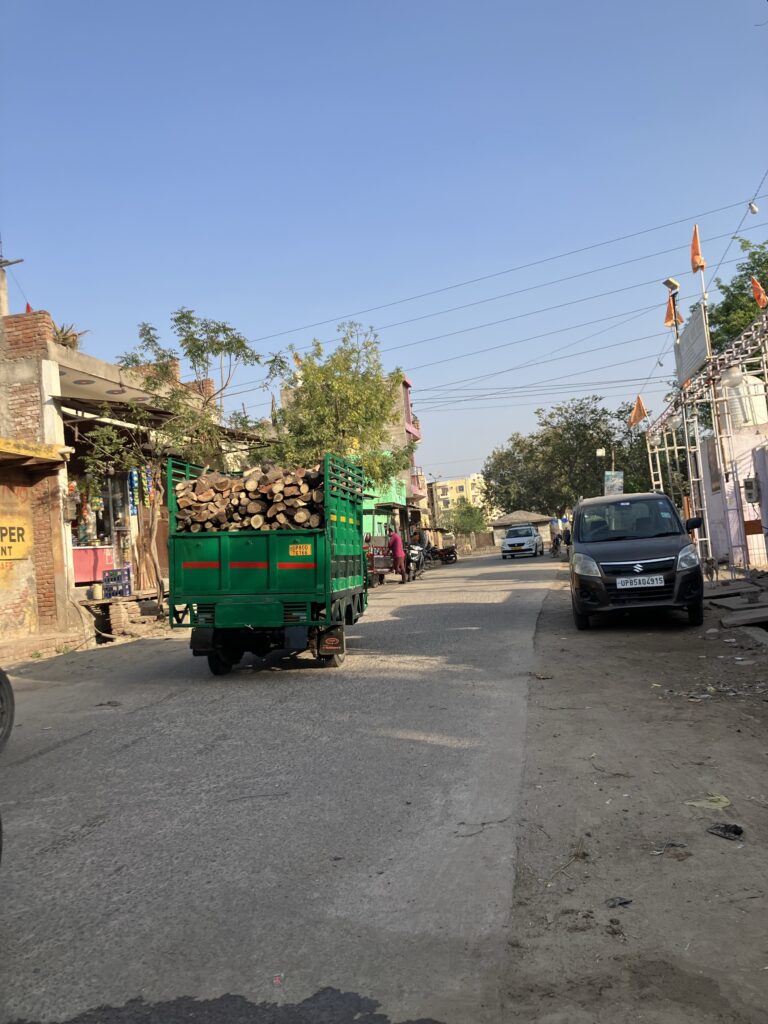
(415, 561)
(7, 708)
(447, 555)
(555, 546)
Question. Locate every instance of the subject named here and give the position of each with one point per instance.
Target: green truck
(263, 590)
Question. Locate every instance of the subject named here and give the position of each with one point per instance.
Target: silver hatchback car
(522, 540)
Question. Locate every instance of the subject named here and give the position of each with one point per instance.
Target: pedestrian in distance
(567, 541)
(395, 546)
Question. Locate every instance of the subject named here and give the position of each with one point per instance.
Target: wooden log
(314, 520)
(257, 521)
(195, 528)
(251, 484)
(256, 506)
(301, 516)
(318, 496)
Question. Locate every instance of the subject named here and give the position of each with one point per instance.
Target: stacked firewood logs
(264, 498)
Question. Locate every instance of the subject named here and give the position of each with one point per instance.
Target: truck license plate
(635, 582)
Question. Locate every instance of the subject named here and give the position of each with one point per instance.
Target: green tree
(464, 517)
(180, 419)
(737, 308)
(342, 402)
(548, 470)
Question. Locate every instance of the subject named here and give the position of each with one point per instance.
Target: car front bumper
(601, 594)
(519, 551)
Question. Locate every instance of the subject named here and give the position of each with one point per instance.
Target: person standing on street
(395, 546)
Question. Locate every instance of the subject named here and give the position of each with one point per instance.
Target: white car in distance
(522, 540)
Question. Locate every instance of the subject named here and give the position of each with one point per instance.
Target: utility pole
(4, 281)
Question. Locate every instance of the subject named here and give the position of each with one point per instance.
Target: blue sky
(281, 164)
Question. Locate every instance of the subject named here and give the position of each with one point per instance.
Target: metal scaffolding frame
(677, 434)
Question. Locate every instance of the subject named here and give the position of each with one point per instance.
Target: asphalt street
(292, 844)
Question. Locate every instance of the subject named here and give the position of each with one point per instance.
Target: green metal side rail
(266, 579)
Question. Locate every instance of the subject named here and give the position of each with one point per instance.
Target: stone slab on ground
(745, 618)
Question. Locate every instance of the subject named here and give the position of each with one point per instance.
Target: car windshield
(628, 519)
(519, 531)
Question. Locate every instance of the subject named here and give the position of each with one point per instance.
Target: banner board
(691, 352)
(613, 481)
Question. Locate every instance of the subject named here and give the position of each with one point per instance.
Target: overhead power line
(501, 273)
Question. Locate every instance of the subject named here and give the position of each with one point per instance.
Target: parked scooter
(415, 561)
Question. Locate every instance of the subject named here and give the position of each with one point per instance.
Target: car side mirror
(693, 524)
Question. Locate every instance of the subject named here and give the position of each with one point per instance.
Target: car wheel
(580, 619)
(696, 614)
(503, 556)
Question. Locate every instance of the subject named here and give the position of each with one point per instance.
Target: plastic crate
(120, 576)
(117, 590)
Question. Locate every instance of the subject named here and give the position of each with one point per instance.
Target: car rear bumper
(600, 594)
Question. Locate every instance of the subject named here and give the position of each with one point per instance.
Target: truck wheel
(218, 665)
(331, 660)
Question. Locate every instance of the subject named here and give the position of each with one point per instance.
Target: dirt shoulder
(627, 722)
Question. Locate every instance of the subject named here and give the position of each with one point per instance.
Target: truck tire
(218, 665)
(331, 660)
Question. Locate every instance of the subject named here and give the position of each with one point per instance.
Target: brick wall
(46, 514)
(25, 410)
(26, 334)
(24, 341)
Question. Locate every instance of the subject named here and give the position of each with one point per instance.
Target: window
(443, 492)
(445, 503)
(460, 488)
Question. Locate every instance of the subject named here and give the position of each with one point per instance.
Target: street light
(434, 498)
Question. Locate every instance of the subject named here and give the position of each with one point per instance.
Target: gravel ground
(628, 722)
(296, 844)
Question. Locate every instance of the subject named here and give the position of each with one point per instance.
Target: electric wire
(738, 229)
(501, 273)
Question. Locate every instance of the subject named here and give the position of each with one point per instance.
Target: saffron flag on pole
(759, 292)
(697, 260)
(638, 413)
(29, 309)
(672, 314)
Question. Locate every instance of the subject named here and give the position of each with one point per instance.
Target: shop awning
(24, 453)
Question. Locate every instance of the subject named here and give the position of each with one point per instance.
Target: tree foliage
(548, 470)
(737, 308)
(342, 402)
(464, 517)
(183, 419)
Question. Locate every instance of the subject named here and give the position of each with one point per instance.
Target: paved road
(310, 843)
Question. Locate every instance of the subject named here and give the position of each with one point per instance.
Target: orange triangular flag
(638, 413)
(29, 309)
(697, 260)
(671, 314)
(759, 292)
